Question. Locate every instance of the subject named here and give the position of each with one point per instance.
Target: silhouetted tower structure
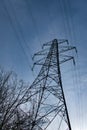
(50, 104)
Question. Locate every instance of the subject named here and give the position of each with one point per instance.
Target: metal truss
(49, 96)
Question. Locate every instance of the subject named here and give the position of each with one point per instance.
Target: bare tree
(13, 94)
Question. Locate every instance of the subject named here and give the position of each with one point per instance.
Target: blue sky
(26, 24)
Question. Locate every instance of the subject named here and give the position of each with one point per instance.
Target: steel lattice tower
(49, 100)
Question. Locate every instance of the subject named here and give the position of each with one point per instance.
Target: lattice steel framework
(49, 100)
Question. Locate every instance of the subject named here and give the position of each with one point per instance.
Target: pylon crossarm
(60, 41)
(48, 44)
(63, 49)
(66, 58)
(63, 41)
(42, 52)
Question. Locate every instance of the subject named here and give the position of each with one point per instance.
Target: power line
(33, 19)
(18, 24)
(15, 31)
(65, 16)
(73, 36)
(79, 85)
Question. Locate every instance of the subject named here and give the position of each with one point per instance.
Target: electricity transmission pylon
(49, 99)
